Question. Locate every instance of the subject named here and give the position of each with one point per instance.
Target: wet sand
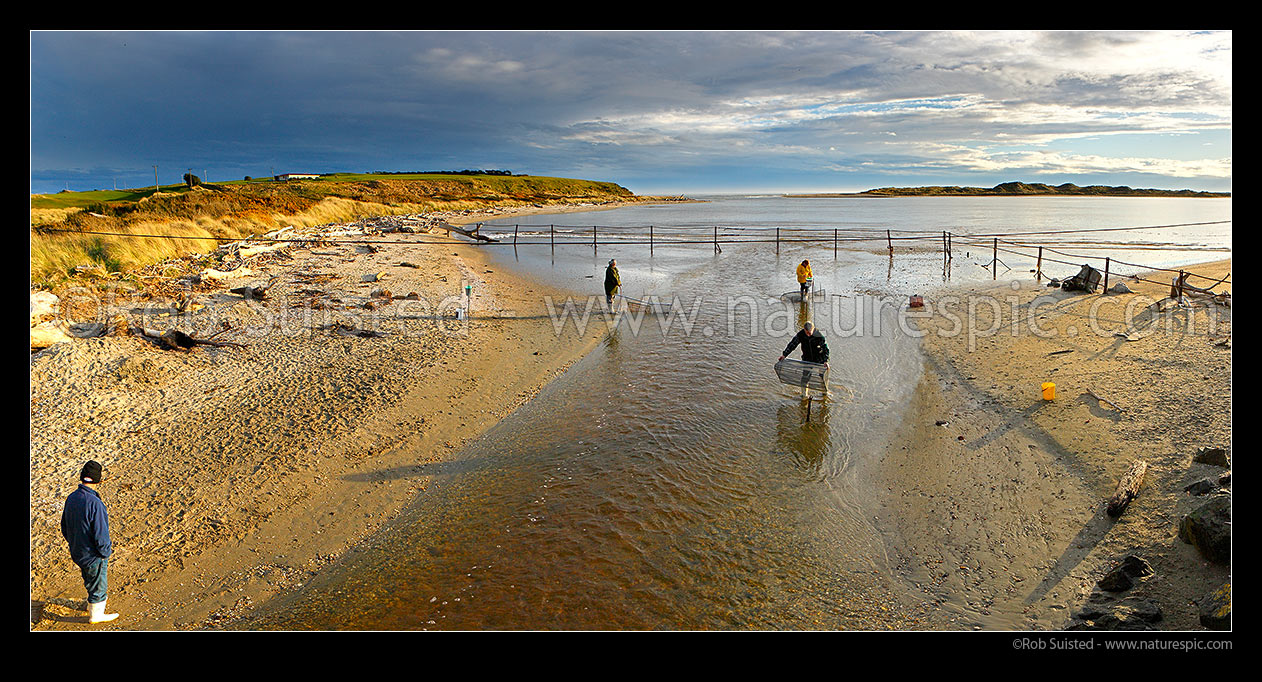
(233, 474)
(236, 474)
(998, 513)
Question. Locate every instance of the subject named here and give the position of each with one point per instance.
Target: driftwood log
(252, 293)
(1102, 399)
(174, 339)
(472, 234)
(1179, 288)
(1127, 488)
(213, 275)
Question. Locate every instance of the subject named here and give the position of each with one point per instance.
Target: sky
(672, 112)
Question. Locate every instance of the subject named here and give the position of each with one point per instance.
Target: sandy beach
(999, 495)
(233, 473)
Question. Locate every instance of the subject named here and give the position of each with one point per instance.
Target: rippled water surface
(668, 480)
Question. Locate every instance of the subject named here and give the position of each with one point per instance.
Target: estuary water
(668, 480)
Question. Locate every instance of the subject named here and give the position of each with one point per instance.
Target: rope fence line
(934, 234)
(1133, 276)
(1114, 260)
(574, 237)
(1108, 260)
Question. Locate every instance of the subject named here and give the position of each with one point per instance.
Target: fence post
(777, 241)
(1181, 276)
(834, 243)
(1106, 275)
(552, 237)
(994, 259)
(650, 240)
(1038, 269)
(515, 234)
(593, 239)
(890, 242)
(716, 238)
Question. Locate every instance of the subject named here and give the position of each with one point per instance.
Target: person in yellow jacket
(804, 277)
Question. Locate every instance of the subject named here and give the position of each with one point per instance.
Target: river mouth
(666, 481)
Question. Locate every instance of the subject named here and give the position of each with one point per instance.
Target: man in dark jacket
(814, 348)
(612, 281)
(86, 527)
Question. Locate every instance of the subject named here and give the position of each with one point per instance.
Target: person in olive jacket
(86, 527)
(612, 281)
(814, 348)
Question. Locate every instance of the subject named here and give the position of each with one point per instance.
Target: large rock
(1216, 608)
(1204, 486)
(1127, 615)
(1219, 457)
(48, 333)
(1208, 528)
(44, 306)
(1123, 576)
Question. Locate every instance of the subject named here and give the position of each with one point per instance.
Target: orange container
(1049, 391)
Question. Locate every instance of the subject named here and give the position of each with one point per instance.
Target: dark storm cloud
(617, 103)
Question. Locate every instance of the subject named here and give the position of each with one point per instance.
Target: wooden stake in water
(994, 259)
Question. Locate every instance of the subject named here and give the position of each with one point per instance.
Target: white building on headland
(295, 176)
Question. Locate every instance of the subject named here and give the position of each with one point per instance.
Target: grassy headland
(1022, 189)
(197, 217)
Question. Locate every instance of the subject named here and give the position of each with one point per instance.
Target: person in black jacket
(86, 527)
(814, 348)
(612, 281)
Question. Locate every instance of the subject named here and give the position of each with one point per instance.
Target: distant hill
(1025, 189)
(70, 229)
(1038, 188)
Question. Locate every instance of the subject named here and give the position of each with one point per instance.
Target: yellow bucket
(1049, 391)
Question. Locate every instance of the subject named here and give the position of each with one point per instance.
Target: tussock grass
(54, 256)
(51, 216)
(212, 214)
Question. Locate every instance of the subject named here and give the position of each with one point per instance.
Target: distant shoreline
(1017, 189)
